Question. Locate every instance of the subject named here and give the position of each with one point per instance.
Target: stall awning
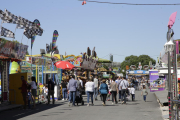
(7, 58)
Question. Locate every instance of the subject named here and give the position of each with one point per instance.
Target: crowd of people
(119, 87)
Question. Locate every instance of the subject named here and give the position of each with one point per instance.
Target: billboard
(156, 83)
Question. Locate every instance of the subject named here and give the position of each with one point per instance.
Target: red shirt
(24, 86)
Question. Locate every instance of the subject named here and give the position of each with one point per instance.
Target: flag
(29, 33)
(20, 26)
(11, 18)
(26, 23)
(3, 16)
(7, 33)
(55, 35)
(36, 32)
(32, 41)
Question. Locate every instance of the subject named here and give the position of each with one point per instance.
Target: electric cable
(128, 3)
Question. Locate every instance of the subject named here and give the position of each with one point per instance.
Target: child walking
(144, 92)
(29, 96)
(132, 91)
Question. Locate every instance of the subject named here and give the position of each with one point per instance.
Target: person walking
(29, 97)
(114, 91)
(33, 89)
(64, 90)
(119, 89)
(104, 91)
(96, 87)
(81, 82)
(24, 91)
(132, 92)
(72, 86)
(50, 90)
(124, 87)
(89, 88)
(144, 93)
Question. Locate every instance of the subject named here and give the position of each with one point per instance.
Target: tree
(134, 60)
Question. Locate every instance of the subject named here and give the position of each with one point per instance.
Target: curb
(158, 100)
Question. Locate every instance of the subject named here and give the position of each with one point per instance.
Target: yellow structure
(15, 68)
(15, 82)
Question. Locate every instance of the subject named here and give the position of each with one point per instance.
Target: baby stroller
(79, 98)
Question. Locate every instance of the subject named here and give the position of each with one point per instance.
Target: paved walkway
(138, 110)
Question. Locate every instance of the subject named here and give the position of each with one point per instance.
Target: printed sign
(156, 83)
(12, 49)
(75, 60)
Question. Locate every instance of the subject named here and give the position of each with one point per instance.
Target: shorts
(33, 92)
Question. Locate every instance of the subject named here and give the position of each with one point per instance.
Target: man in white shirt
(119, 89)
(124, 86)
(96, 87)
(110, 80)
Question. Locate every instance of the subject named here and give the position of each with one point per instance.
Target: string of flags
(31, 28)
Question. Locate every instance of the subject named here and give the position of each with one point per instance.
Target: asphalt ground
(134, 110)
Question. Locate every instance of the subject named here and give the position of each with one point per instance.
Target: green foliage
(134, 60)
(106, 67)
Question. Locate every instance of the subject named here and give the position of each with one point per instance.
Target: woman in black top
(64, 90)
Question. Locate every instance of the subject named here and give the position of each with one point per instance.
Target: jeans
(95, 93)
(72, 96)
(144, 97)
(104, 97)
(64, 92)
(88, 96)
(123, 95)
(133, 97)
(114, 93)
(119, 94)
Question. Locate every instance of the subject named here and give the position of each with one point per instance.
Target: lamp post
(169, 47)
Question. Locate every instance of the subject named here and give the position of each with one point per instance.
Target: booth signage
(140, 72)
(156, 83)
(12, 49)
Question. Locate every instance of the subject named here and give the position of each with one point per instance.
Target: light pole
(169, 47)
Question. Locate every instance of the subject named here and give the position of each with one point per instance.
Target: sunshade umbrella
(172, 19)
(64, 65)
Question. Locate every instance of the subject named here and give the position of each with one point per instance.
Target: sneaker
(112, 103)
(69, 104)
(87, 104)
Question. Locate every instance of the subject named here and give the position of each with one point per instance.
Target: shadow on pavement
(20, 113)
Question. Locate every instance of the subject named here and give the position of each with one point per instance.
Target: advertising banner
(12, 49)
(75, 60)
(156, 83)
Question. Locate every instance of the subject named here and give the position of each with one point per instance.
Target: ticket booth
(15, 82)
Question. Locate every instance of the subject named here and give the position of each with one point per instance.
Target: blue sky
(113, 29)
